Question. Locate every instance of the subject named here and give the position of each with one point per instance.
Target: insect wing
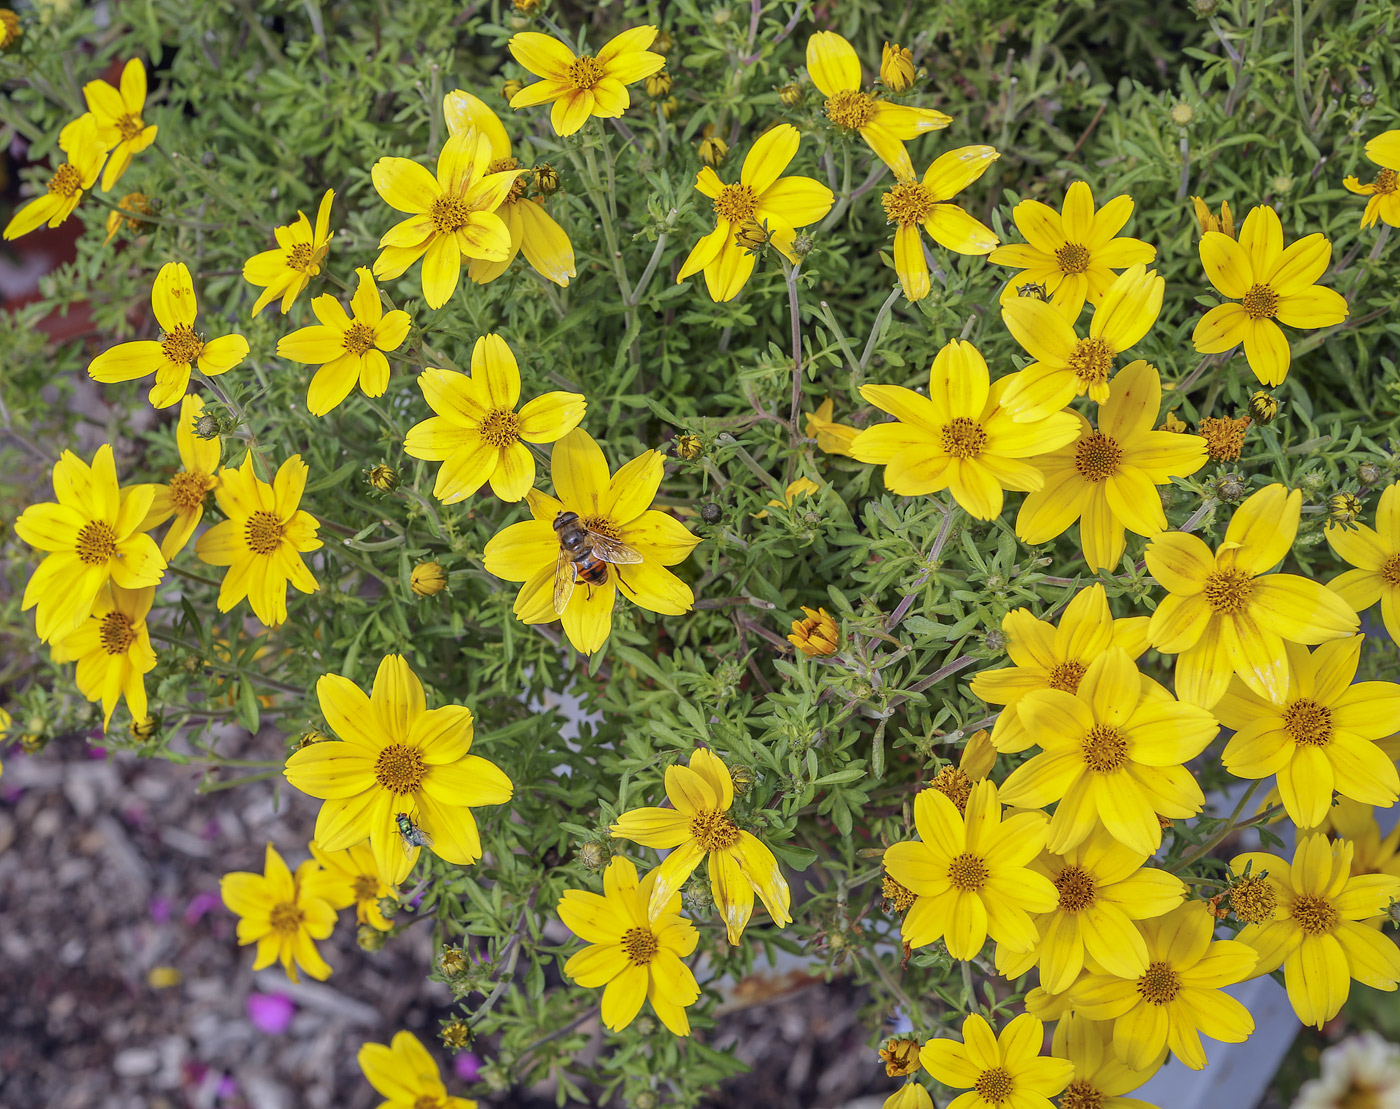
(610, 550)
(563, 582)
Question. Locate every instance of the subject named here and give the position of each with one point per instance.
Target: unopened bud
(370, 938)
(1182, 114)
(1343, 508)
(546, 179)
(382, 478)
(897, 67)
(457, 1034)
(428, 579)
(1263, 407)
(688, 447)
(659, 85)
(711, 513)
(664, 42)
(206, 426)
(452, 961)
(1368, 473)
(751, 236)
(146, 727)
(1033, 290)
(1230, 488)
(791, 96)
(670, 106)
(510, 88)
(801, 245)
(593, 855)
(713, 150)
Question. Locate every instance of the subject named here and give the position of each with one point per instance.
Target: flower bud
(802, 245)
(900, 1057)
(711, 513)
(526, 7)
(664, 42)
(659, 85)
(1182, 114)
(310, 736)
(1230, 488)
(1209, 221)
(1033, 290)
(1367, 99)
(744, 779)
(791, 95)
(1343, 508)
(688, 447)
(452, 961)
(751, 236)
(1282, 184)
(456, 1034)
(428, 579)
(1205, 8)
(1174, 424)
(144, 728)
(1263, 408)
(207, 426)
(816, 636)
(897, 67)
(370, 938)
(10, 29)
(593, 855)
(670, 106)
(546, 179)
(510, 88)
(382, 478)
(713, 150)
(1368, 473)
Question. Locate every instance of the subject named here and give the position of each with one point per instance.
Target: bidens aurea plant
(801, 531)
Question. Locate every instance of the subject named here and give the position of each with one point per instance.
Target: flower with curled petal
(1100, 1080)
(299, 256)
(580, 86)
(1384, 191)
(85, 155)
(118, 115)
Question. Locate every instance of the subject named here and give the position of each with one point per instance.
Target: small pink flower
(270, 1012)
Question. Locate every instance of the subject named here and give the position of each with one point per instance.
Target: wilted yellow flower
(1223, 223)
(816, 635)
(286, 270)
(1384, 202)
(138, 204)
(587, 85)
(900, 1057)
(897, 67)
(712, 150)
(659, 85)
(117, 113)
(831, 437)
(1224, 437)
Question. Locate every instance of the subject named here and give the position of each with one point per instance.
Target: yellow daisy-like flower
(1270, 283)
(1111, 755)
(406, 1075)
(91, 536)
(1375, 555)
(816, 635)
(182, 501)
(1178, 997)
(1357, 824)
(960, 437)
(1321, 736)
(396, 757)
(999, 1072)
(1106, 478)
(971, 874)
(283, 913)
(349, 349)
(1103, 888)
(79, 141)
(831, 437)
(1100, 1080)
(585, 85)
(179, 348)
(835, 70)
(477, 434)
(1074, 252)
(355, 878)
(1316, 933)
(616, 507)
(451, 216)
(699, 826)
(117, 113)
(113, 650)
(298, 257)
(633, 951)
(1384, 191)
(762, 196)
(533, 231)
(909, 1096)
(1067, 366)
(912, 205)
(1209, 221)
(1226, 615)
(1048, 657)
(262, 540)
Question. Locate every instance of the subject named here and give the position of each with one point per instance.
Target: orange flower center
(400, 769)
(850, 110)
(449, 214)
(96, 543)
(1253, 900)
(1386, 182)
(286, 918)
(1224, 437)
(501, 428)
(1314, 915)
(1066, 676)
(713, 831)
(1260, 303)
(427, 1101)
(1227, 592)
(963, 438)
(1097, 457)
(1091, 360)
(954, 784)
(900, 898)
(188, 490)
(1072, 258)
(994, 1085)
(130, 126)
(967, 872)
(1105, 749)
(1079, 1094)
(366, 887)
(1390, 570)
(66, 181)
(1307, 723)
(116, 633)
(639, 944)
(1077, 887)
(504, 165)
(585, 72)
(359, 338)
(908, 202)
(603, 526)
(735, 203)
(181, 346)
(263, 532)
(1159, 985)
(301, 257)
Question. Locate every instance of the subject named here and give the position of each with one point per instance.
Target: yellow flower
(283, 913)
(396, 757)
(1375, 555)
(585, 85)
(885, 127)
(1103, 888)
(1100, 1080)
(117, 113)
(1209, 221)
(1270, 283)
(298, 257)
(85, 153)
(1047, 657)
(183, 499)
(1317, 934)
(971, 874)
(1356, 823)
(909, 1096)
(901, 1057)
(1384, 204)
(427, 579)
(1224, 614)
(11, 30)
(960, 437)
(91, 536)
(816, 635)
(634, 951)
(113, 650)
(179, 348)
(262, 539)
(1074, 252)
(1178, 997)
(897, 67)
(451, 216)
(999, 1072)
(617, 507)
(477, 435)
(138, 204)
(1320, 736)
(912, 205)
(349, 348)
(355, 879)
(533, 230)
(1106, 479)
(405, 1074)
(1066, 366)
(699, 826)
(831, 437)
(762, 195)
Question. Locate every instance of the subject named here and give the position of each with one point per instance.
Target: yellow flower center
(1079, 1094)
(603, 526)
(1159, 985)
(1091, 360)
(1072, 258)
(503, 165)
(1312, 914)
(301, 257)
(908, 202)
(1227, 592)
(963, 438)
(427, 1101)
(585, 72)
(366, 887)
(286, 918)
(900, 897)
(188, 490)
(263, 532)
(735, 203)
(501, 428)
(1224, 437)
(1386, 182)
(713, 831)
(130, 126)
(400, 769)
(1066, 676)
(1390, 570)
(66, 181)
(954, 784)
(1260, 303)
(1097, 457)
(1077, 887)
(1362, 1095)
(1253, 900)
(1307, 723)
(116, 633)
(850, 109)
(449, 214)
(1105, 749)
(181, 346)
(639, 945)
(96, 543)
(994, 1085)
(359, 337)
(967, 872)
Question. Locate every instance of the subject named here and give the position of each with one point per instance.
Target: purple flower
(200, 904)
(160, 909)
(467, 1065)
(227, 1088)
(270, 1012)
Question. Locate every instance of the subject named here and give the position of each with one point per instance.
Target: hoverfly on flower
(584, 556)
